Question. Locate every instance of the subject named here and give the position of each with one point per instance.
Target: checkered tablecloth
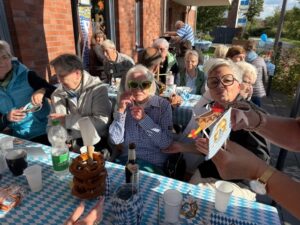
(181, 114)
(55, 203)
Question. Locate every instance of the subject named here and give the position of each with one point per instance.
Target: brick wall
(40, 30)
(125, 26)
(152, 16)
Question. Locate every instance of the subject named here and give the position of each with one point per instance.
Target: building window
(245, 2)
(242, 20)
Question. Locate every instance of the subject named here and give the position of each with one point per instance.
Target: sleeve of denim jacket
(160, 134)
(117, 128)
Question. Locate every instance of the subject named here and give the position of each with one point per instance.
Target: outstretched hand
(236, 162)
(94, 216)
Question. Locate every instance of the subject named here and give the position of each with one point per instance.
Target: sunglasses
(226, 80)
(141, 85)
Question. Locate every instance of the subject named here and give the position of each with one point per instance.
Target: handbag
(175, 166)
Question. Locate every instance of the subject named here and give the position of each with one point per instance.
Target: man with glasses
(143, 118)
(79, 95)
(168, 62)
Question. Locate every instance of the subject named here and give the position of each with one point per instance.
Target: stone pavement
(279, 104)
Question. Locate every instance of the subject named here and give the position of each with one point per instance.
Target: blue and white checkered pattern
(54, 203)
(128, 212)
(219, 219)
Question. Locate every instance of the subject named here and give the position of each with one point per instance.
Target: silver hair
(213, 64)
(191, 52)
(160, 41)
(66, 63)
(141, 69)
(108, 44)
(5, 49)
(247, 68)
(179, 23)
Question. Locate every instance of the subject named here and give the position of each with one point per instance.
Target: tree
(209, 17)
(255, 7)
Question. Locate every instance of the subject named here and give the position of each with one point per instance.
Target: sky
(271, 5)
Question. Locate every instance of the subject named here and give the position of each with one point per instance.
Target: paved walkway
(279, 104)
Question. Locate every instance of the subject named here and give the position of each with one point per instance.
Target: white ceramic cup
(172, 205)
(224, 190)
(34, 177)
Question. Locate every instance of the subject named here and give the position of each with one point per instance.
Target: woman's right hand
(125, 99)
(16, 115)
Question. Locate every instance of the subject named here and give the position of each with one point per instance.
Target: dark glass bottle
(130, 173)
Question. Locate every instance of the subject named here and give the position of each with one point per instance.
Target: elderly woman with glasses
(224, 85)
(19, 87)
(143, 118)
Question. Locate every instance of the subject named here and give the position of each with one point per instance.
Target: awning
(203, 2)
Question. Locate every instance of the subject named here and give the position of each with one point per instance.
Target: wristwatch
(259, 185)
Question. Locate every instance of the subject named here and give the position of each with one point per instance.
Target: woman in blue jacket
(18, 87)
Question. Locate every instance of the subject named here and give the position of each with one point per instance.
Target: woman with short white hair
(143, 118)
(169, 62)
(249, 77)
(191, 76)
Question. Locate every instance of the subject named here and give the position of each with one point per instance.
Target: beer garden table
(54, 203)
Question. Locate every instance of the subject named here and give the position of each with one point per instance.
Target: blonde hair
(247, 69)
(141, 69)
(5, 49)
(108, 44)
(221, 51)
(215, 63)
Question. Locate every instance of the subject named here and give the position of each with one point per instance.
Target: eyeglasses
(141, 85)
(226, 80)
(162, 49)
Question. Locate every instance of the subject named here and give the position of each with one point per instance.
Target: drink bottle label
(60, 162)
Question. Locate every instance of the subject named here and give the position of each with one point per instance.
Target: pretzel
(89, 180)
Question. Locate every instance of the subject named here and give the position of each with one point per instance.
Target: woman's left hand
(202, 145)
(37, 96)
(137, 112)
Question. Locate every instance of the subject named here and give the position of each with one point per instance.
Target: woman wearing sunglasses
(143, 118)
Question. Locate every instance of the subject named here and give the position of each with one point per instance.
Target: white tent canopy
(203, 2)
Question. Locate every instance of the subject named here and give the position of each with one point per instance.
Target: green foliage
(210, 17)
(204, 36)
(287, 71)
(291, 26)
(255, 7)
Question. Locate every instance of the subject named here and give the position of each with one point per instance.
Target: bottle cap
(55, 122)
(131, 145)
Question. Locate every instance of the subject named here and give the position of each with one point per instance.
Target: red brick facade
(40, 30)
